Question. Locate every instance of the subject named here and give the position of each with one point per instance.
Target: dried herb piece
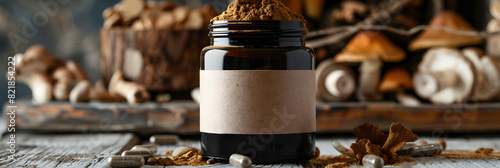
(371, 132)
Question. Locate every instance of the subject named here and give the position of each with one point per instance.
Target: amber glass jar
(257, 88)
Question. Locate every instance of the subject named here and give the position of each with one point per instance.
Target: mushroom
(445, 76)
(493, 41)
(370, 48)
(335, 82)
(63, 81)
(80, 93)
(77, 71)
(32, 69)
(130, 9)
(134, 92)
(396, 81)
(489, 88)
(100, 93)
(440, 38)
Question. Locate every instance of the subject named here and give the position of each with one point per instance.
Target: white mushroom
(134, 92)
(40, 86)
(335, 82)
(445, 76)
(489, 87)
(495, 9)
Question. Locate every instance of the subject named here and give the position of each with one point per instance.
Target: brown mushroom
(335, 82)
(99, 93)
(32, 68)
(77, 71)
(396, 81)
(63, 81)
(440, 38)
(445, 76)
(81, 92)
(370, 48)
(130, 9)
(133, 92)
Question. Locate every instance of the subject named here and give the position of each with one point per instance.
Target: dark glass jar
(257, 88)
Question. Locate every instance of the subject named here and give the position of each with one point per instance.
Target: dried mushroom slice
(398, 136)
(371, 132)
(364, 147)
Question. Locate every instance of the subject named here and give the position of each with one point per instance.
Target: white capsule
(143, 153)
(152, 148)
(374, 161)
(425, 150)
(125, 161)
(240, 161)
(164, 139)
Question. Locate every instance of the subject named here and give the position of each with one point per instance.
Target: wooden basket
(162, 60)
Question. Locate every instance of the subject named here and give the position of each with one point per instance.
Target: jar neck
(258, 33)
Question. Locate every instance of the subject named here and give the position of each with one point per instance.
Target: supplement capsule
(143, 153)
(240, 161)
(425, 150)
(374, 161)
(442, 143)
(125, 161)
(343, 150)
(152, 148)
(164, 139)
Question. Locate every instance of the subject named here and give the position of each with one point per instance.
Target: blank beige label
(257, 102)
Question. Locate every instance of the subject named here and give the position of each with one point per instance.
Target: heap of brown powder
(258, 10)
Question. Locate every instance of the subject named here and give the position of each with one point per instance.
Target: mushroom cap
(370, 45)
(493, 26)
(64, 75)
(395, 79)
(446, 59)
(35, 59)
(335, 82)
(440, 38)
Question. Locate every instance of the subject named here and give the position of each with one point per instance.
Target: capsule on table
(374, 161)
(164, 139)
(152, 148)
(425, 150)
(143, 153)
(240, 161)
(125, 161)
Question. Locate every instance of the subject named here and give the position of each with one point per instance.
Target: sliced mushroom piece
(335, 82)
(134, 92)
(445, 72)
(489, 87)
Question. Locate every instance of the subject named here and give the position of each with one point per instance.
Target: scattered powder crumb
(338, 165)
(325, 160)
(485, 151)
(258, 10)
(169, 152)
(453, 161)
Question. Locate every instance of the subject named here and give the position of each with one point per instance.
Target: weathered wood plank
(64, 150)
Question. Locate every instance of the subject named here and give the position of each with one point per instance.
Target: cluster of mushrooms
(445, 74)
(50, 79)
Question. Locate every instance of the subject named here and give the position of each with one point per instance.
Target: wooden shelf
(183, 117)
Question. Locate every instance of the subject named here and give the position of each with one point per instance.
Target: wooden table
(91, 149)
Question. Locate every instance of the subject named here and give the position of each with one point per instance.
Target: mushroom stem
(339, 83)
(40, 85)
(428, 83)
(134, 92)
(368, 81)
(81, 92)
